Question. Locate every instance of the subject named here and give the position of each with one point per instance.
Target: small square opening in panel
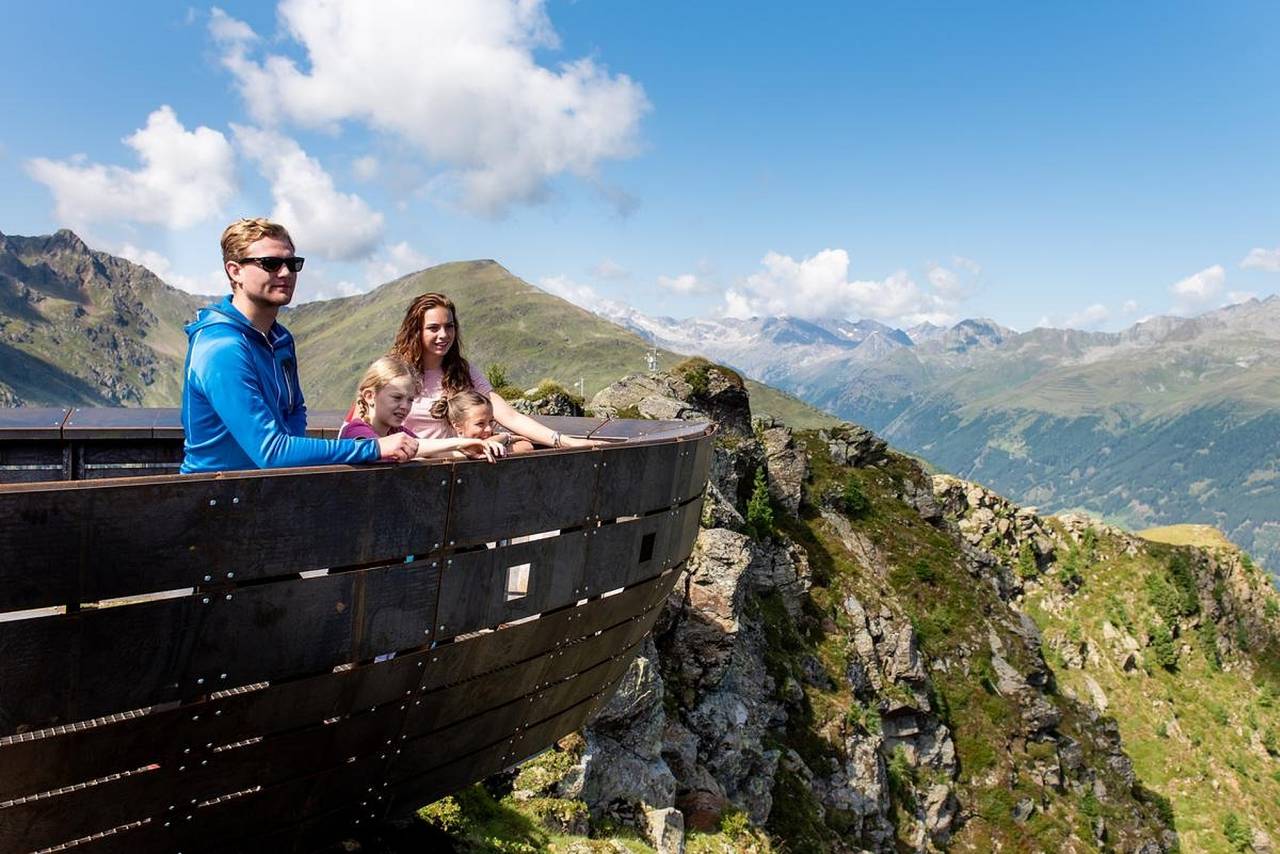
(518, 581)
(646, 547)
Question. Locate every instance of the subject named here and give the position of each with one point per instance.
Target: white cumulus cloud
(458, 81)
(322, 220)
(1199, 288)
(185, 177)
(1262, 259)
(819, 287)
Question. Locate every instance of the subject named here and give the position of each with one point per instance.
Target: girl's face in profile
(478, 423)
(389, 405)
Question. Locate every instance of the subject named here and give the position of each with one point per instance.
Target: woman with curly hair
(430, 340)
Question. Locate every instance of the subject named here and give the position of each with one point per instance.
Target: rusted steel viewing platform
(194, 663)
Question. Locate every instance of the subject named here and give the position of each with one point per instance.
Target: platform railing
(266, 660)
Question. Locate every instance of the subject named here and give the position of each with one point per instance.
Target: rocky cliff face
(905, 662)
(877, 670)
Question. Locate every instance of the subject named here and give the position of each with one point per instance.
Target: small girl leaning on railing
(470, 414)
(383, 398)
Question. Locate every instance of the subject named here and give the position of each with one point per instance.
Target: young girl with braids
(429, 339)
(383, 399)
(471, 415)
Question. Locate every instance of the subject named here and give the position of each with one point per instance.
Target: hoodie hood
(223, 312)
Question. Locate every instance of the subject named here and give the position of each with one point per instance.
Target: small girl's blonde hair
(454, 407)
(381, 372)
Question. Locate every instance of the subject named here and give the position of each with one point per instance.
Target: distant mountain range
(80, 327)
(1171, 420)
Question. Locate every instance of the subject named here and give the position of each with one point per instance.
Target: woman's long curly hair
(408, 345)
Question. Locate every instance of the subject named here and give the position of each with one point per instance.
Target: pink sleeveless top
(420, 420)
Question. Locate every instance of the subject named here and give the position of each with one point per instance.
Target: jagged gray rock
(787, 466)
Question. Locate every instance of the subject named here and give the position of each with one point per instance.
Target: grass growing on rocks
(1198, 733)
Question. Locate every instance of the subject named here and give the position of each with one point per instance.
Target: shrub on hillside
(496, 374)
(760, 508)
(1237, 833)
(853, 498)
(1161, 643)
(1027, 566)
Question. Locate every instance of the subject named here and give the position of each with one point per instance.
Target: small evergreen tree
(1162, 645)
(1027, 566)
(760, 508)
(856, 503)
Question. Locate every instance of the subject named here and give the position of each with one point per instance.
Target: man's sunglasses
(271, 265)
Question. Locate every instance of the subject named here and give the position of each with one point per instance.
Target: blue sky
(1081, 164)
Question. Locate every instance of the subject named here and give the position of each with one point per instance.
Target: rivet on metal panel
(442, 628)
(213, 502)
(223, 676)
(444, 482)
(208, 578)
(166, 824)
(182, 768)
(200, 680)
(205, 600)
(186, 750)
(235, 501)
(195, 717)
(204, 761)
(231, 575)
(217, 713)
(459, 480)
(450, 561)
(451, 542)
(228, 597)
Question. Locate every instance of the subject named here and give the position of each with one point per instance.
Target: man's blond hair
(243, 233)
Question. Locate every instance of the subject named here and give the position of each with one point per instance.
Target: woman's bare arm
(523, 425)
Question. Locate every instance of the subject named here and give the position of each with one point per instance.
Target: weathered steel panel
(80, 666)
(32, 422)
(461, 660)
(521, 495)
(57, 759)
(475, 592)
(635, 480)
(90, 541)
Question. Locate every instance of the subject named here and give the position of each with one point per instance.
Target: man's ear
(232, 269)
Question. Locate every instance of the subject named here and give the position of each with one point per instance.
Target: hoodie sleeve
(228, 380)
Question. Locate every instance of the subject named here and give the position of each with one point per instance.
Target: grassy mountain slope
(84, 327)
(503, 319)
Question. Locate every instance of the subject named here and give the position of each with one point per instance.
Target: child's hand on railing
(488, 449)
(397, 448)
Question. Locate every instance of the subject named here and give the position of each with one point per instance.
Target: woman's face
(438, 333)
(478, 423)
(389, 405)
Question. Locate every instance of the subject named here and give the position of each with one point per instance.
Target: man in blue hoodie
(242, 406)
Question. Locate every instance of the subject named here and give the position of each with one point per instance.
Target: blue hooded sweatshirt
(242, 406)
